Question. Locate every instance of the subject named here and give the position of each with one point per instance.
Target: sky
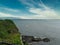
(30, 9)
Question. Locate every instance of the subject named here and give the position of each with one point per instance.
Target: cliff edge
(9, 33)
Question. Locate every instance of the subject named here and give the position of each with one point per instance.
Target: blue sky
(30, 9)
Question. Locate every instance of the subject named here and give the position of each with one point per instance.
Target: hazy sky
(30, 9)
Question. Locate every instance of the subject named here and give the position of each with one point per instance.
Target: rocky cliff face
(9, 33)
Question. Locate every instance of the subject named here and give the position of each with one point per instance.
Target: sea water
(49, 28)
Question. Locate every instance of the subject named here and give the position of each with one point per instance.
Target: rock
(27, 38)
(46, 40)
(36, 39)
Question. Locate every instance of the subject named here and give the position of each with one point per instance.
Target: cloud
(44, 12)
(27, 2)
(5, 15)
(28, 17)
(33, 3)
(40, 13)
(13, 10)
(41, 4)
(47, 13)
(10, 15)
(9, 9)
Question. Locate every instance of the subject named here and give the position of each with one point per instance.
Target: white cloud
(10, 15)
(47, 13)
(9, 9)
(27, 17)
(5, 15)
(41, 4)
(27, 2)
(40, 13)
(13, 10)
(44, 12)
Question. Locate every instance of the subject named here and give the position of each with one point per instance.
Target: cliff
(9, 33)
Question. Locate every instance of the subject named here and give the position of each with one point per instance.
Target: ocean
(49, 28)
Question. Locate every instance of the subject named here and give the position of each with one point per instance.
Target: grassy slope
(9, 32)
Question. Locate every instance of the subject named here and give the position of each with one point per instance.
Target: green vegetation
(25, 43)
(9, 32)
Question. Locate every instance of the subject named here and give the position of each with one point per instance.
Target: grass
(9, 32)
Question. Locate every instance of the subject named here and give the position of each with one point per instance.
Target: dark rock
(36, 39)
(27, 38)
(46, 40)
(4, 43)
(30, 39)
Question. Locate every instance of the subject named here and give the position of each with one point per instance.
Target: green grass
(9, 32)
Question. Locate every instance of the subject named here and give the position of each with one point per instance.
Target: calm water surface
(40, 28)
